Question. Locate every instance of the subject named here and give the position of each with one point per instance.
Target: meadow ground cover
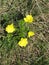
(24, 32)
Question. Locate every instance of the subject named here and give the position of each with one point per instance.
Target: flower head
(10, 28)
(28, 18)
(30, 33)
(23, 42)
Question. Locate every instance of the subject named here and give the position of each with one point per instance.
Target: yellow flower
(30, 33)
(10, 28)
(23, 42)
(29, 19)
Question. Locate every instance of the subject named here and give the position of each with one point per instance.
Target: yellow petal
(23, 42)
(29, 19)
(10, 28)
(30, 33)
(25, 19)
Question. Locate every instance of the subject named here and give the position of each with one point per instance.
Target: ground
(37, 52)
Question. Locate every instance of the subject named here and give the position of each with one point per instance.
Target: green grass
(37, 51)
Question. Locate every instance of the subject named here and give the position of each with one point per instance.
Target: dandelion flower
(30, 34)
(10, 28)
(23, 42)
(28, 19)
